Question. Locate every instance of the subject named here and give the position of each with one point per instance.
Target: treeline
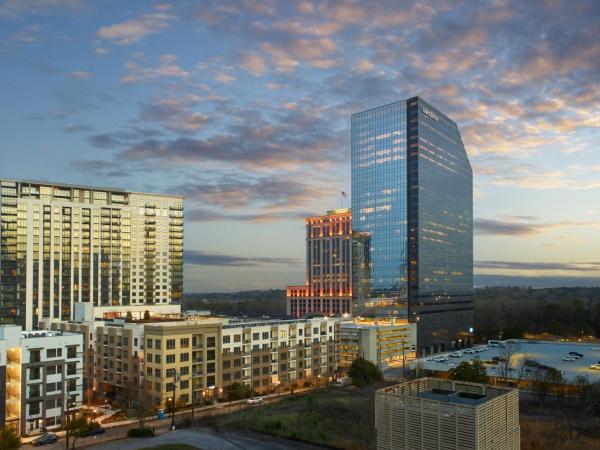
(563, 312)
(254, 303)
(512, 311)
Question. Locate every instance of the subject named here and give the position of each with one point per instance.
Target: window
(34, 408)
(210, 355)
(226, 339)
(34, 391)
(210, 341)
(184, 357)
(170, 344)
(265, 358)
(265, 370)
(226, 364)
(157, 373)
(210, 367)
(255, 336)
(54, 403)
(237, 338)
(157, 343)
(170, 359)
(256, 360)
(265, 335)
(149, 357)
(149, 371)
(53, 370)
(34, 356)
(170, 373)
(71, 351)
(256, 372)
(54, 353)
(255, 347)
(185, 384)
(71, 385)
(237, 363)
(184, 370)
(157, 359)
(157, 387)
(34, 373)
(226, 377)
(184, 342)
(149, 343)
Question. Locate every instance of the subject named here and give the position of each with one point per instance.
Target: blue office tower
(412, 205)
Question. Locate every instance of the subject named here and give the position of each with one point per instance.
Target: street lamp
(175, 381)
(278, 391)
(318, 379)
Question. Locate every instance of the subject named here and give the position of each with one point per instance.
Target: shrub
(140, 432)
(364, 373)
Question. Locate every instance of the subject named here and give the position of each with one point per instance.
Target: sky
(244, 107)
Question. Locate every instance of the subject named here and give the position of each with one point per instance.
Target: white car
(254, 400)
(456, 355)
(595, 366)
(470, 351)
(569, 358)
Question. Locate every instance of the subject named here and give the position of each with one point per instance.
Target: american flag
(344, 195)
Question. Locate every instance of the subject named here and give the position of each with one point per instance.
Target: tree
(364, 373)
(79, 428)
(507, 354)
(512, 332)
(142, 405)
(238, 391)
(547, 378)
(9, 440)
(466, 371)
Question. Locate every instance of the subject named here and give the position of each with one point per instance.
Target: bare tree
(507, 356)
(142, 405)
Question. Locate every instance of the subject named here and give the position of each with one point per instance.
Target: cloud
(269, 192)
(364, 65)
(167, 67)
(200, 258)
(206, 215)
(176, 113)
(254, 63)
(12, 9)
(134, 30)
(524, 228)
(593, 266)
(79, 74)
(225, 78)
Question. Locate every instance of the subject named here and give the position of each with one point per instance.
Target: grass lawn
(171, 447)
(341, 418)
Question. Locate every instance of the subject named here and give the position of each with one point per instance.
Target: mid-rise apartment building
(42, 380)
(61, 244)
(328, 288)
(381, 341)
(434, 414)
(197, 360)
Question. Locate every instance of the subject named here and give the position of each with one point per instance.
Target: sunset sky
(244, 107)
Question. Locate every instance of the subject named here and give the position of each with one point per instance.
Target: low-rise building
(43, 378)
(432, 413)
(380, 341)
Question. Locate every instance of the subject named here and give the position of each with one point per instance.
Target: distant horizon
(500, 282)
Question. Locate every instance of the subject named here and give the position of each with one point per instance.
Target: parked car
(96, 431)
(342, 382)
(577, 354)
(456, 355)
(569, 358)
(44, 439)
(254, 400)
(595, 366)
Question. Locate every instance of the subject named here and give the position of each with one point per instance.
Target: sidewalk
(164, 424)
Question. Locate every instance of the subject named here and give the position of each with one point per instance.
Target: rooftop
(447, 391)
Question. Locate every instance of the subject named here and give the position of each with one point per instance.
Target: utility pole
(175, 381)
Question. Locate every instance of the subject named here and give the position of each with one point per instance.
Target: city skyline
(250, 119)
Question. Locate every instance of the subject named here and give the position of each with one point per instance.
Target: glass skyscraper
(412, 204)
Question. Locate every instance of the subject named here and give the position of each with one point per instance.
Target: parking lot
(549, 353)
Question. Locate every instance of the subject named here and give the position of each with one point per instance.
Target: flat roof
(96, 188)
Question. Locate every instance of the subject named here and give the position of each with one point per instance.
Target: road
(119, 430)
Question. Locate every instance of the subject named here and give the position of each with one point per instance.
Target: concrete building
(380, 341)
(435, 414)
(328, 288)
(63, 244)
(412, 219)
(197, 360)
(41, 378)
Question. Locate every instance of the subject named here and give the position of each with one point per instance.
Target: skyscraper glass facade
(413, 221)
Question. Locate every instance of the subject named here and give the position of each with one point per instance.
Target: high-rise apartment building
(412, 206)
(328, 288)
(61, 244)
